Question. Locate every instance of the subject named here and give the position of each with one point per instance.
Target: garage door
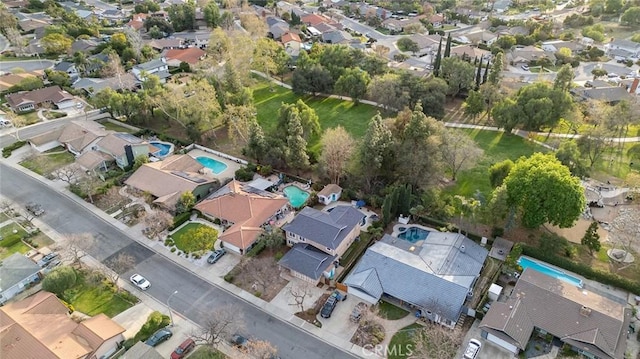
(510, 347)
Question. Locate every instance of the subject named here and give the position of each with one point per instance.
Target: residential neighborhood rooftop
(326, 228)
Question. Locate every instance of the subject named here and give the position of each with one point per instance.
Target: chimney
(462, 248)
(585, 311)
(634, 86)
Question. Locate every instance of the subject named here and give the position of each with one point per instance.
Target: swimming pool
(551, 272)
(413, 234)
(165, 148)
(215, 166)
(296, 196)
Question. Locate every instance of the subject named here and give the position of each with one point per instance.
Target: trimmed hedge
(583, 270)
(179, 220)
(10, 240)
(163, 137)
(257, 248)
(6, 152)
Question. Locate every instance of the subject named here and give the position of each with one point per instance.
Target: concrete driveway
(339, 324)
(488, 350)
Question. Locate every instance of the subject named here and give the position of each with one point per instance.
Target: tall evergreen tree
(479, 75)
(447, 49)
(486, 71)
(297, 157)
(436, 64)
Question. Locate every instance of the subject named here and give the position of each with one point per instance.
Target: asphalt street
(196, 297)
(27, 65)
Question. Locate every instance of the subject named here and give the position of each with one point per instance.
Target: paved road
(27, 65)
(197, 297)
(100, 5)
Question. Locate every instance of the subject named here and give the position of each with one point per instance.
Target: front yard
(95, 298)
(259, 275)
(46, 163)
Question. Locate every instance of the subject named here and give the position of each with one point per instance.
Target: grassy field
(207, 353)
(95, 299)
(49, 161)
(180, 237)
(403, 339)
(390, 311)
(30, 118)
(497, 147)
(18, 247)
(8, 230)
(332, 112)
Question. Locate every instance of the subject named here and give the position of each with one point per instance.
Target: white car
(473, 348)
(140, 281)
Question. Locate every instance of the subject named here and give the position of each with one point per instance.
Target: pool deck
(229, 173)
(396, 228)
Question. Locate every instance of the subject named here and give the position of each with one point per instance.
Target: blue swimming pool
(551, 272)
(413, 234)
(297, 197)
(165, 148)
(215, 166)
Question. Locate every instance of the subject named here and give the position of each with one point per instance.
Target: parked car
(158, 337)
(525, 67)
(329, 306)
(473, 348)
(184, 349)
(48, 259)
(239, 340)
(140, 281)
(35, 209)
(216, 255)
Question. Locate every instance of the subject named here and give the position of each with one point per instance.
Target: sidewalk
(198, 268)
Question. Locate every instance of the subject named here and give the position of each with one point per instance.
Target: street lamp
(169, 306)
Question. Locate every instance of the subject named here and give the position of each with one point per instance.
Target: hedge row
(10, 240)
(583, 270)
(162, 137)
(6, 152)
(257, 248)
(179, 220)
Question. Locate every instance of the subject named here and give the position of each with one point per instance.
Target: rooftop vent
(412, 249)
(585, 311)
(462, 248)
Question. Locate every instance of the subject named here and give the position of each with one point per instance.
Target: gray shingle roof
(308, 260)
(559, 308)
(150, 65)
(408, 277)
(63, 66)
(327, 229)
(15, 269)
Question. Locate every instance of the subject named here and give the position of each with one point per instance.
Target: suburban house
(330, 193)
(156, 67)
(318, 239)
(124, 148)
(77, 137)
(277, 27)
(313, 19)
(470, 52)
(593, 325)
(18, 272)
(40, 327)
(93, 85)
(611, 95)
(83, 45)
(524, 55)
(190, 55)
(436, 20)
(137, 21)
(398, 25)
(292, 43)
(30, 100)
(166, 44)
(555, 45)
(336, 37)
(168, 179)
(434, 278)
(9, 80)
(244, 211)
(426, 43)
(478, 37)
(623, 49)
(69, 68)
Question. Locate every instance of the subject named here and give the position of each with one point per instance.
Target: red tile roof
(189, 55)
(290, 36)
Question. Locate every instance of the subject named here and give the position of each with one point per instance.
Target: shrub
(257, 249)
(10, 240)
(68, 305)
(278, 256)
(155, 321)
(6, 152)
(59, 280)
(228, 278)
(173, 249)
(258, 294)
(126, 295)
(179, 220)
(244, 174)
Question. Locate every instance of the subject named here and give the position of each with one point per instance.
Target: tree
(74, 247)
(17, 41)
(459, 151)
(435, 341)
(458, 73)
(261, 270)
(438, 61)
(375, 152)
(212, 14)
(260, 349)
(591, 238)
(353, 83)
(474, 104)
(269, 57)
(564, 78)
(447, 49)
(387, 91)
(113, 67)
(406, 44)
(337, 148)
(256, 143)
(598, 72)
(186, 202)
(68, 174)
(59, 280)
(309, 120)
(59, 78)
(118, 265)
(593, 143)
(200, 239)
(219, 324)
(299, 292)
(545, 191)
(239, 120)
(613, 6)
(134, 39)
(631, 16)
(183, 16)
(296, 150)
(56, 44)
(272, 239)
(156, 223)
(569, 155)
(506, 42)
(495, 74)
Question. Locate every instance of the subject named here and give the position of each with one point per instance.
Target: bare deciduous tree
(118, 265)
(135, 40)
(337, 149)
(220, 324)
(74, 247)
(68, 173)
(299, 292)
(156, 223)
(261, 271)
(7, 207)
(435, 341)
(459, 151)
(260, 349)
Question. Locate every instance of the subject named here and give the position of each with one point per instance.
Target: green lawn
(8, 230)
(180, 237)
(115, 127)
(497, 146)
(332, 112)
(49, 161)
(403, 339)
(390, 311)
(207, 353)
(92, 300)
(18, 247)
(30, 118)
